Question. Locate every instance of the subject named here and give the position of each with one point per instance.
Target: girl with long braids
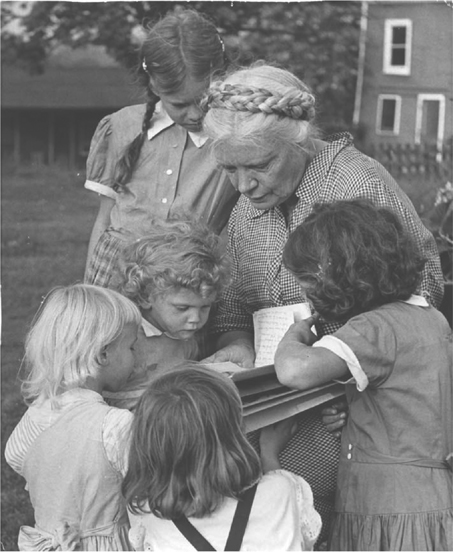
(152, 161)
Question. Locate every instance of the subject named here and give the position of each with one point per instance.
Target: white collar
(149, 329)
(417, 300)
(162, 121)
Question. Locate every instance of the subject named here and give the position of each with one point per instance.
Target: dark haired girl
(151, 161)
(358, 266)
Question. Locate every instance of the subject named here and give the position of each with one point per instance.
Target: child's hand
(273, 439)
(334, 417)
(301, 331)
(240, 354)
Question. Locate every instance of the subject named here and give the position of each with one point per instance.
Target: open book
(265, 400)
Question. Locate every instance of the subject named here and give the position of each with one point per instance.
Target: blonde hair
(174, 254)
(188, 447)
(68, 334)
(259, 103)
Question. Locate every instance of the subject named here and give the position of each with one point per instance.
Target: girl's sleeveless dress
(75, 492)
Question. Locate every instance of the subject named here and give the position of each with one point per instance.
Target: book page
(270, 325)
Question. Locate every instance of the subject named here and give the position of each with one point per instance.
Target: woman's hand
(273, 439)
(235, 347)
(334, 417)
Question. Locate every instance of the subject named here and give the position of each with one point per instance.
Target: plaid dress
(259, 280)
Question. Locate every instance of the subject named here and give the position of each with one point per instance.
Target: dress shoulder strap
(240, 519)
(192, 534)
(237, 529)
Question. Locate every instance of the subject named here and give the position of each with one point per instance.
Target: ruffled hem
(420, 531)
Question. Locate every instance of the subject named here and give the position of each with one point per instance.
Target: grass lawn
(46, 223)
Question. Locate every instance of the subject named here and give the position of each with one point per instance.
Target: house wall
(431, 67)
(35, 137)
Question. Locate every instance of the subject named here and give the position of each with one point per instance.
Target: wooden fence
(423, 159)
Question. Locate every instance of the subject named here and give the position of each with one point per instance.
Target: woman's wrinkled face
(267, 174)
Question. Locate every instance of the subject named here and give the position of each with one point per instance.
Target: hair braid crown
(294, 103)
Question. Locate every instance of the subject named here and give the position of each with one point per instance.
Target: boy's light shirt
(343, 351)
(161, 121)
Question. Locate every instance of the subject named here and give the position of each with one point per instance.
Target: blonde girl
(70, 446)
(174, 274)
(192, 471)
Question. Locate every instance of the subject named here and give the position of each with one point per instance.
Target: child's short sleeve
(101, 160)
(373, 342)
(20, 440)
(309, 519)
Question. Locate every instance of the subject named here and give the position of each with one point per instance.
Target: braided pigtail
(182, 45)
(125, 165)
(293, 103)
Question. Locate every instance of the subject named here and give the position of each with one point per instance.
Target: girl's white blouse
(282, 518)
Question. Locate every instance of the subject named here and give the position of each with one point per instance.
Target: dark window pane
(399, 35)
(398, 56)
(430, 120)
(388, 115)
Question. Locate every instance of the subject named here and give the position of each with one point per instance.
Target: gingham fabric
(102, 266)
(257, 238)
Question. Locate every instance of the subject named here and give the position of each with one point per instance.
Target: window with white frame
(388, 114)
(397, 46)
(430, 119)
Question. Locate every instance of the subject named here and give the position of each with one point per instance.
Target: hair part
(188, 448)
(260, 103)
(69, 332)
(174, 254)
(183, 45)
(354, 257)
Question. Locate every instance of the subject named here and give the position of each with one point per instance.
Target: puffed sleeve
(101, 160)
(20, 442)
(309, 519)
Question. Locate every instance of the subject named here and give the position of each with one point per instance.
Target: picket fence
(423, 159)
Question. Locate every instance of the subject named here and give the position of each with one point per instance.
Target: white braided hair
(294, 103)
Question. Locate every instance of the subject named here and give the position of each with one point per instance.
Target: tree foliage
(318, 41)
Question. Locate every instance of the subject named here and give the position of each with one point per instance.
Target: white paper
(270, 326)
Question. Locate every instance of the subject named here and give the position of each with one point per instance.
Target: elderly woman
(261, 121)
